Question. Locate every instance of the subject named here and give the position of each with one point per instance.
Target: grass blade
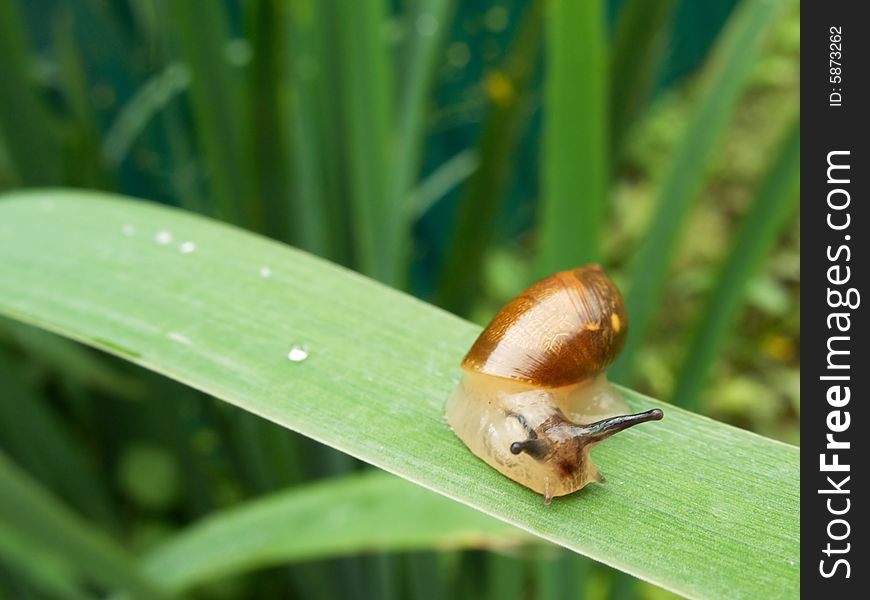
(84, 166)
(151, 98)
(218, 110)
(562, 576)
(269, 106)
(70, 361)
(505, 577)
(319, 228)
(425, 578)
(574, 176)
(774, 200)
(184, 164)
(319, 168)
(731, 63)
(344, 515)
(49, 575)
(55, 459)
(33, 148)
(367, 106)
(29, 512)
(428, 22)
(442, 180)
(696, 492)
(635, 61)
(221, 114)
(475, 219)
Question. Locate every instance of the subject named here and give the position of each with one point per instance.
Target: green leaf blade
(575, 169)
(216, 92)
(32, 145)
(378, 226)
(636, 58)
(344, 515)
(776, 197)
(692, 505)
(33, 517)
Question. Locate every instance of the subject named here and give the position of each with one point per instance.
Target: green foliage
(449, 149)
(731, 65)
(507, 93)
(345, 515)
(575, 149)
(32, 515)
(775, 199)
(139, 298)
(27, 135)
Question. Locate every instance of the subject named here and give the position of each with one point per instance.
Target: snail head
(561, 439)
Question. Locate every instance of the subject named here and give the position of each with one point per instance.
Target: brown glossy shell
(561, 330)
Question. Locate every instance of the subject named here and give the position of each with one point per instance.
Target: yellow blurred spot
(615, 322)
(779, 347)
(499, 88)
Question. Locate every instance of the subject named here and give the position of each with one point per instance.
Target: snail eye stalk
(537, 449)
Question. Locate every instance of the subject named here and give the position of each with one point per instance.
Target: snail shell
(534, 398)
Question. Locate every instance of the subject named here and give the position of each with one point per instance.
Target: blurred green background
(457, 150)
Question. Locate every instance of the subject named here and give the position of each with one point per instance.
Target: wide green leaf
(369, 512)
(345, 515)
(695, 506)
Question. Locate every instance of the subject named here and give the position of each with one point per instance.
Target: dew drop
(297, 353)
(265, 272)
(163, 237)
(128, 230)
(187, 247)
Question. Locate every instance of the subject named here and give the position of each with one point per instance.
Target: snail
(534, 397)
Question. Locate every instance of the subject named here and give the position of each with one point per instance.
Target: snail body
(534, 397)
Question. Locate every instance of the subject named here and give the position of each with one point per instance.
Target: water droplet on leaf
(297, 353)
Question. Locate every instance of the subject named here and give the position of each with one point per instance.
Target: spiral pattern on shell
(563, 329)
